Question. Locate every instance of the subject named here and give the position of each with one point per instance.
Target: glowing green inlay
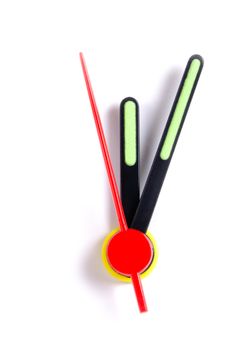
(130, 133)
(180, 109)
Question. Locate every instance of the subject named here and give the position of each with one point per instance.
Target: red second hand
(114, 188)
(106, 156)
(136, 280)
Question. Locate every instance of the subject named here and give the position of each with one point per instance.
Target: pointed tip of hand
(143, 309)
(142, 306)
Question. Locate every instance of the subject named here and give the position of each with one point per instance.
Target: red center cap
(130, 252)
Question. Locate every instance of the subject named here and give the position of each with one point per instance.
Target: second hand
(135, 277)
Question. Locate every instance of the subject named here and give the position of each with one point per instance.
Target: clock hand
(167, 144)
(129, 164)
(106, 156)
(127, 239)
(129, 156)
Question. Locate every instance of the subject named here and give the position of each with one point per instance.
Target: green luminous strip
(180, 109)
(130, 133)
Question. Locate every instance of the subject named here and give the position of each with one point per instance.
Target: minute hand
(167, 144)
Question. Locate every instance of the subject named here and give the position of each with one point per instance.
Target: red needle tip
(105, 152)
(139, 292)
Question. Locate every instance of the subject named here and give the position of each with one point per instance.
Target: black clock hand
(167, 144)
(129, 156)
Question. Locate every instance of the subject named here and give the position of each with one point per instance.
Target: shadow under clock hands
(94, 267)
(113, 142)
(156, 122)
(98, 277)
(94, 270)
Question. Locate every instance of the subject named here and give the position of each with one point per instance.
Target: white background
(55, 202)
